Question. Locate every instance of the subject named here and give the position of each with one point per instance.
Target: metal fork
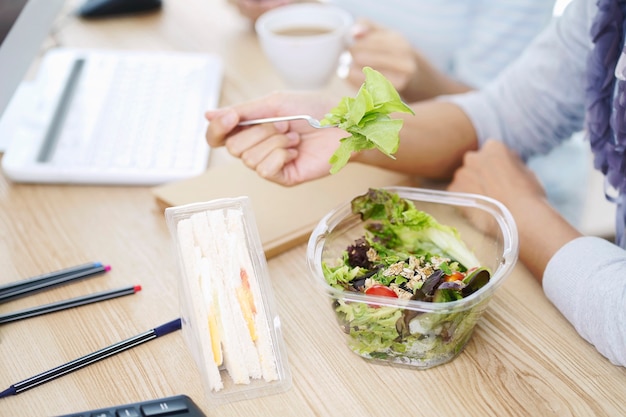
(312, 121)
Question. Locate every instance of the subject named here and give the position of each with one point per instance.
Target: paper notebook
(285, 216)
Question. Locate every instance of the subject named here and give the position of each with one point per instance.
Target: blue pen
(83, 361)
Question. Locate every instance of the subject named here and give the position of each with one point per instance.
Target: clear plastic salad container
(228, 312)
(410, 332)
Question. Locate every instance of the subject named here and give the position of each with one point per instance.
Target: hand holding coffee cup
(304, 41)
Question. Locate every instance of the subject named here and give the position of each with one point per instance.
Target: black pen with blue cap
(91, 358)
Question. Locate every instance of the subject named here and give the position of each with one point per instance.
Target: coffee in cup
(304, 41)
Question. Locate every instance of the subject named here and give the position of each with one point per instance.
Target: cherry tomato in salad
(379, 289)
(455, 276)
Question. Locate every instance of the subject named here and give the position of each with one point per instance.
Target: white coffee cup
(304, 41)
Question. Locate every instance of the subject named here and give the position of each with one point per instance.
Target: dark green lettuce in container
(410, 271)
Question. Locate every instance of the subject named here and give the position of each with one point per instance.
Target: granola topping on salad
(415, 270)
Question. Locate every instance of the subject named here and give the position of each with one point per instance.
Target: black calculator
(176, 406)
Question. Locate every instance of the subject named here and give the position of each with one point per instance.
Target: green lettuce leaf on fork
(366, 118)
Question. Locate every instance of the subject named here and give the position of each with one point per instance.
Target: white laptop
(114, 117)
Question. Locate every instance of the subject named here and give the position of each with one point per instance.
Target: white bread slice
(263, 341)
(200, 310)
(241, 308)
(202, 232)
(231, 323)
(202, 238)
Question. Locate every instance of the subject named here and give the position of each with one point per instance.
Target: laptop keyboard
(176, 406)
(136, 118)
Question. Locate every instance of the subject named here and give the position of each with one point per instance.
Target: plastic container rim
(498, 210)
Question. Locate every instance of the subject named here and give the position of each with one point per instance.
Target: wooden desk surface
(523, 360)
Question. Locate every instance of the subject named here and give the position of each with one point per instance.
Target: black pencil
(44, 282)
(83, 361)
(12, 286)
(66, 304)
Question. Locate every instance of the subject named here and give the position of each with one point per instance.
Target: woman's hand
(408, 70)
(498, 172)
(287, 153)
(384, 50)
(252, 9)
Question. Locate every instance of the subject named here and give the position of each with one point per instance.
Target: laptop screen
(24, 24)
(9, 10)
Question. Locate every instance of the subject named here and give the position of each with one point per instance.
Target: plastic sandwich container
(438, 330)
(228, 313)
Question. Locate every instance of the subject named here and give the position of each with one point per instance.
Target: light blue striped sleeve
(497, 33)
(538, 101)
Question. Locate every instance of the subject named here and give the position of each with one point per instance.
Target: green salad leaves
(405, 253)
(401, 226)
(366, 118)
